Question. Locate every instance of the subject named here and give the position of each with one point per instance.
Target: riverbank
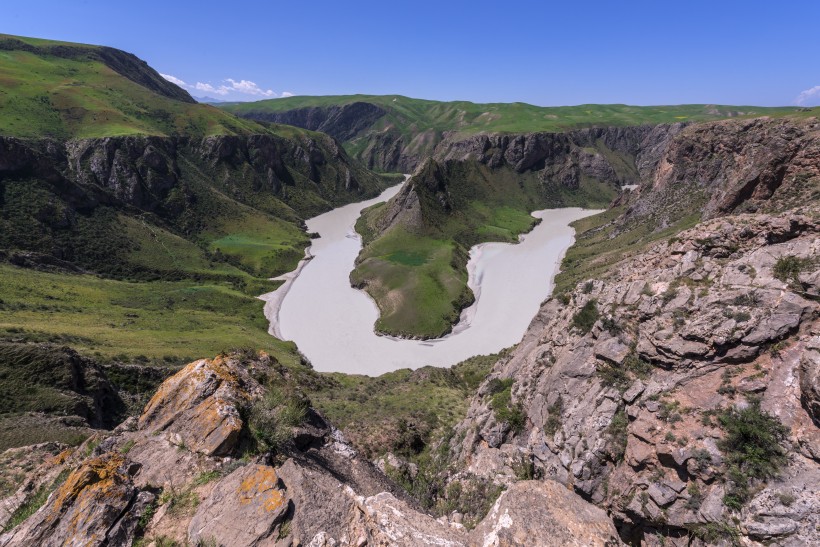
(332, 323)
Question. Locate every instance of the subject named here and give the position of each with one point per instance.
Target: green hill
(64, 90)
(391, 132)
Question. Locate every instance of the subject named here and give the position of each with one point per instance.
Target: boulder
(244, 509)
(544, 513)
(85, 508)
(202, 404)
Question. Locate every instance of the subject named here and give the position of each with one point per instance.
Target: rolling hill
(395, 133)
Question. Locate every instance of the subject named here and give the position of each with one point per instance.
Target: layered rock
(622, 413)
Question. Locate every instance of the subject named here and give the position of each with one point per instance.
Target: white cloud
(248, 88)
(236, 89)
(811, 95)
(174, 80)
(208, 88)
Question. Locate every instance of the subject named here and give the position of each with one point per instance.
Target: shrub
(554, 418)
(753, 451)
(695, 496)
(505, 410)
(789, 267)
(586, 317)
(273, 417)
(179, 502)
(610, 325)
(617, 433)
(613, 376)
(669, 294)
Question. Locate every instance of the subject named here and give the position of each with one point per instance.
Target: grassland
(401, 411)
(162, 321)
(76, 91)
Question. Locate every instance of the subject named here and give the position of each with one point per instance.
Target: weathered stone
(244, 509)
(201, 403)
(661, 494)
(544, 513)
(85, 508)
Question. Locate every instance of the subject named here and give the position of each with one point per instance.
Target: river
(332, 323)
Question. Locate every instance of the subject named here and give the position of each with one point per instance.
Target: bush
(554, 419)
(273, 418)
(586, 317)
(617, 433)
(753, 451)
(789, 267)
(505, 410)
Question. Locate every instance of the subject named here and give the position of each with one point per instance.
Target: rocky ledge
(192, 469)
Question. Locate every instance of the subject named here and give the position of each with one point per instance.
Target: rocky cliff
(677, 388)
(176, 474)
(58, 192)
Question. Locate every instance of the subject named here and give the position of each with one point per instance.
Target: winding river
(332, 323)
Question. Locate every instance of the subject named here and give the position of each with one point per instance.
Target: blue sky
(545, 53)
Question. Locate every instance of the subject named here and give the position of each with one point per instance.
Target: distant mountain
(209, 100)
(395, 133)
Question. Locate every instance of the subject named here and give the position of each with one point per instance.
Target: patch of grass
(788, 268)
(618, 434)
(505, 410)
(586, 317)
(206, 476)
(180, 501)
(273, 418)
(713, 533)
(35, 502)
(753, 449)
(553, 422)
(470, 495)
(428, 402)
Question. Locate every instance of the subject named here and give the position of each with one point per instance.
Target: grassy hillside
(63, 90)
(415, 126)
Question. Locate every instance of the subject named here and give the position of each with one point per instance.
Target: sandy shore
(273, 300)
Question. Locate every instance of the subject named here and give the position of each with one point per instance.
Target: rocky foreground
(178, 473)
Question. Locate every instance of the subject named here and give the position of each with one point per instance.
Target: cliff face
(173, 474)
(632, 388)
(55, 189)
(341, 122)
(140, 171)
(555, 165)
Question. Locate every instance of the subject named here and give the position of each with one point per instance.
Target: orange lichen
(262, 487)
(60, 458)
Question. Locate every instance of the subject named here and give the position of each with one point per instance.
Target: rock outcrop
(174, 474)
(627, 408)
